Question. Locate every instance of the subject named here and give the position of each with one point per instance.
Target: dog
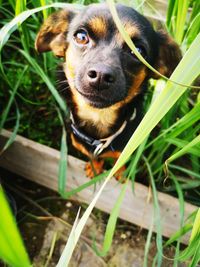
(106, 82)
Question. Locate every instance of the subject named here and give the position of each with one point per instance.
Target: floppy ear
(169, 55)
(52, 35)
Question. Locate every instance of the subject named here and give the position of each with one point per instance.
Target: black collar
(98, 145)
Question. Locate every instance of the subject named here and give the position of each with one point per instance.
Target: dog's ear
(53, 33)
(169, 55)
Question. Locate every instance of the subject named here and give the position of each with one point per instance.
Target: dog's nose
(101, 77)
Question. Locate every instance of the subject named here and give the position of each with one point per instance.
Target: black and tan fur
(105, 81)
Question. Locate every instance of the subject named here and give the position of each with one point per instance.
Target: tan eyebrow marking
(131, 29)
(98, 25)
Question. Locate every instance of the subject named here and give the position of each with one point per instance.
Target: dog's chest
(101, 119)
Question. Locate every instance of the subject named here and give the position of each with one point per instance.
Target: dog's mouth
(96, 100)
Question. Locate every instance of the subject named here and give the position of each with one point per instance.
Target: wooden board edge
(39, 163)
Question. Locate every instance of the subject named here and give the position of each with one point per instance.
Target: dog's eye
(141, 50)
(81, 37)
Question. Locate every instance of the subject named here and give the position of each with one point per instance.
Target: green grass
(12, 249)
(166, 143)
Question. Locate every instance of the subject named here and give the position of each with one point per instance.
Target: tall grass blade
(185, 149)
(186, 171)
(46, 79)
(7, 109)
(14, 132)
(148, 244)
(193, 30)
(55, 235)
(11, 99)
(12, 3)
(196, 258)
(157, 218)
(182, 231)
(111, 225)
(68, 250)
(195, 9)
(134, 163)
(182, 211)
(196, 227)
(45, 13)
(62, 174)
(181, 19)
(6, 31)
(171, 10)
(94, 180)
(180, 143)
(180, 126)
(20, 6)
(12, 249)
(191, 250)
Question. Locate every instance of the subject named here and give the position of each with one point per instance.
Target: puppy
(105, 80)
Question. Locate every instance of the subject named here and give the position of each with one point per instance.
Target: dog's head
(100, 68)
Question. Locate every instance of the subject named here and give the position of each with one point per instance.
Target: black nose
(101, 77)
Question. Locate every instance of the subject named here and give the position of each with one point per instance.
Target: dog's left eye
(81, 37)
(141, 50)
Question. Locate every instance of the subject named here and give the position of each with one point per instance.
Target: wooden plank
(39, 163)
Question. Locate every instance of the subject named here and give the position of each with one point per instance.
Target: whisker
(61, 82)
(59, 70)
(128, 72)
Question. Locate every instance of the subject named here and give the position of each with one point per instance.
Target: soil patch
(45, 221)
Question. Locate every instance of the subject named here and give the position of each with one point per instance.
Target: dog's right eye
(81, 37)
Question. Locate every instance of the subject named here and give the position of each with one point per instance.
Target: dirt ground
(45, 221)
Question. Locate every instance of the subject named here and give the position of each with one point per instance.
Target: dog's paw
(120, 175)
(93, 168)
